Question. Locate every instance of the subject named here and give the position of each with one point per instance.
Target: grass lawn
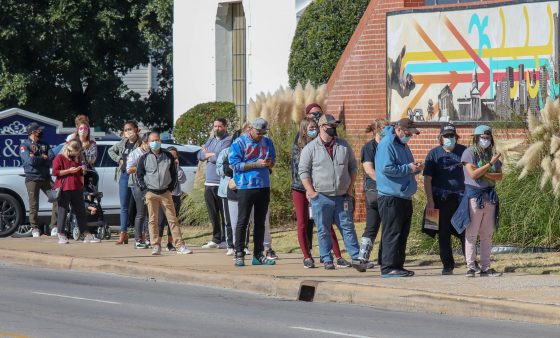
(285, 241)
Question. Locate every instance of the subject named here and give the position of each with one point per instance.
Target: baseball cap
(482, 129)
(407, 124)
(328, 119)
(311, 106)
(33, 126)
(447, 129)
(259, 124)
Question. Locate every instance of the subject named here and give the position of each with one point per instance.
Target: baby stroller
(92, 199)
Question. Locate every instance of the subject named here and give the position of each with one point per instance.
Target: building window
(239, 56)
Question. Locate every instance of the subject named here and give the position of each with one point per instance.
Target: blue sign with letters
(13, 130)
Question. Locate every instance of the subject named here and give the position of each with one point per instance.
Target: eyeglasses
(261, 133)
(448, 135)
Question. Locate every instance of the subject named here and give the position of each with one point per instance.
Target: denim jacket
(462, 218)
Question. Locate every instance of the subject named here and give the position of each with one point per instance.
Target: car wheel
(23, 230)
(11, 215)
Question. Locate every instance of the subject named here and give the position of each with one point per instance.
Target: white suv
(14, 203)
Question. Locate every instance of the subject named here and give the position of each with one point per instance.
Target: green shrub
(194, 126)
(193, 210)
(530, 216)
(322, 33)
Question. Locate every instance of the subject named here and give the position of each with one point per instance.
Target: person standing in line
(396, 184)
(373, 219)
(444, 184)
(119, 153)
(308, 131)
(176, 195)
(69, 173)
(209, 153)
(479, 210)
(36, 157)
(157, 176)
(252, 156)
(137, 194)
(327, 169)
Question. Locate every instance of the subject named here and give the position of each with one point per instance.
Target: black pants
(74, 198)
(247, 199)
(447, 208)
(162, 220)
(396, 215)
(229, 233)
(373, 219)
(215, 213)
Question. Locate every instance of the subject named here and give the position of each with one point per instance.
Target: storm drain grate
(307, 290)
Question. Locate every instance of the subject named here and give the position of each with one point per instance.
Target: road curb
(386, 298)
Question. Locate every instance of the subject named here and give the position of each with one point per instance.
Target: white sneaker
(230, 252)
(62, 239)
(91, 239)
(156, 250)
(247, 252)
(54, 232)
(35, 232)
(184, 250)
(210, 245)
(222, 245)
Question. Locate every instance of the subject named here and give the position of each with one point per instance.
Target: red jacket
(71, 181)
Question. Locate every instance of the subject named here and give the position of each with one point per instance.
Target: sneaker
(35, 232)
(239, 261)
(490, 273)
(156, 250)
(309, 263)
(89, 238)
(140, 245)
(370, 265)
(183, 250)
(470, 273)
(342, 263)
(270, 254)
(328, 265)
(210, 245)
(148, 244)
(62, 239)
(396, 273)
(409, 272)
(359, 265)
(247, 252)
(262, 260)
(230, 252)
(222, 245)
(477, 267)
(170, 247)
(54, 232)
(446, 271)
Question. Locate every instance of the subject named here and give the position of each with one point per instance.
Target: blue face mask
(382, 134)
(312, 133)
(449, 142)
(155, 145)
(405, 138)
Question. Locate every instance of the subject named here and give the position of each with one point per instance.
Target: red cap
(311, 106)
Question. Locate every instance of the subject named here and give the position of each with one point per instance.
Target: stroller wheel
(74, 227)
(107, 232)
(101, 232)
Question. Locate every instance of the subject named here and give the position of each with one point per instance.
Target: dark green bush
(322, 33)
(194, 126)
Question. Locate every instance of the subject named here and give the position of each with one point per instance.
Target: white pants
(233, 215)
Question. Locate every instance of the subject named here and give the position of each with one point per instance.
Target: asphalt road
(52, 303)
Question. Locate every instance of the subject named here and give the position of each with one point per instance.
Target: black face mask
(39, 135)
(331, 132)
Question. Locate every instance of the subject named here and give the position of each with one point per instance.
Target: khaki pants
(33, 190)
(154, 201)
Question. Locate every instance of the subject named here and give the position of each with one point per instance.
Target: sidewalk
(522, 297)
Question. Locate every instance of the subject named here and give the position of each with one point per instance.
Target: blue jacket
(34, 165)
(462, 217)
(246, 150)
(393, 173)
(214, 145)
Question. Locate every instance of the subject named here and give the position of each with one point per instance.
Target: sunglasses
(448, 135)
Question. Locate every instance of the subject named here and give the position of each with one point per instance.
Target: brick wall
(357, 87)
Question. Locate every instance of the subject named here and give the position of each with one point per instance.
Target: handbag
(53, 195)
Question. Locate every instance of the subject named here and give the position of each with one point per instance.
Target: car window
(106, 160)
(101, 151)
(188, 159)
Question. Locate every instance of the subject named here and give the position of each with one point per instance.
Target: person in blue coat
(396, 184)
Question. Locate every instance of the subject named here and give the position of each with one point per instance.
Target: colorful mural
(495, 62)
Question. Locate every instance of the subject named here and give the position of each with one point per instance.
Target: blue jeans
(124, 196)
(329, 210)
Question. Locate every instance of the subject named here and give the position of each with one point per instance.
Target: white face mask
(484, 143)
(131, 133)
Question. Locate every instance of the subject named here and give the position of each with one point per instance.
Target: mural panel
(497, 62)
